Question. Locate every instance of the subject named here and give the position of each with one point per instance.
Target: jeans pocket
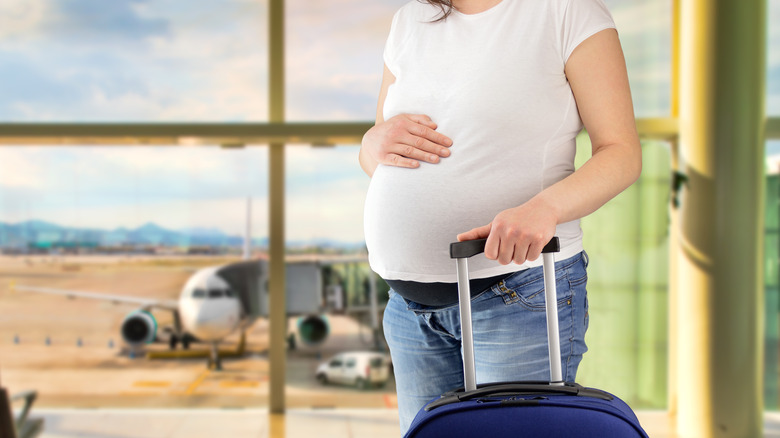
(577, 272)
(527, 288)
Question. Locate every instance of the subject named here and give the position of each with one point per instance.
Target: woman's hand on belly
(517, 234)
(406, 139)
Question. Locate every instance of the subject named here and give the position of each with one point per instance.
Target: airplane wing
(146, 303)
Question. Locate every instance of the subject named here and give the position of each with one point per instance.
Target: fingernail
(445, 152)
(434, 158)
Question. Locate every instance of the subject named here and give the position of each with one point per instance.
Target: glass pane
(773, 60)
(334, 57)
(168, 60)
(175, 188)
(325, 192)
(645, 34)
(627, 244)
(772, 282)
(135, 222)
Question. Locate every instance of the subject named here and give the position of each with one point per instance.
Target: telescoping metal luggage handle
(461, 251)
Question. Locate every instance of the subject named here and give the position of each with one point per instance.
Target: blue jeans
(510, 335)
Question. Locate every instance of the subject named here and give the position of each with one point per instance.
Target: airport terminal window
(325, 194)
(629, 239)
(136, 222)
(134, 61)
(773, 62)
(334, 59)
(645, 34)
(772, 222)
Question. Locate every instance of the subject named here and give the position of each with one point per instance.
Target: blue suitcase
(527, 409)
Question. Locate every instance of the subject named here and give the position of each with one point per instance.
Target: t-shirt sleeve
(581, 20)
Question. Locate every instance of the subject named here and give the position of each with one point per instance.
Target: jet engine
(313, 329)
(139, 327)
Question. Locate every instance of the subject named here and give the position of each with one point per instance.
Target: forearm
(607, 173)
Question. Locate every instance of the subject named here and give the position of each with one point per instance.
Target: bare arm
(597, 73)
(402, 140)
(366, 161)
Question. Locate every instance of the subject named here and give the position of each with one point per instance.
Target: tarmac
(71, 353)
(257, 423)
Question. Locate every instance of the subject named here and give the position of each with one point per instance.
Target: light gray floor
(257, 423)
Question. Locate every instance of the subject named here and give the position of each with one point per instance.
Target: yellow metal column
(673, 214)
(277, 313)
(720, 288)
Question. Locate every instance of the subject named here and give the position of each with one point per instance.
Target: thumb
(475, 233)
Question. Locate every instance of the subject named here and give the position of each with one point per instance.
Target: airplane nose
(214, 323)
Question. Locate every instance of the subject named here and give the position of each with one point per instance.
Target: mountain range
(38, 233)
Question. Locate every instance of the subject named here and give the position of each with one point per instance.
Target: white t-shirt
(494, 83)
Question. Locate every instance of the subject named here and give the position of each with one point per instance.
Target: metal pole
(277, 301)
(720, 322)
(553, 332)
(466, 332)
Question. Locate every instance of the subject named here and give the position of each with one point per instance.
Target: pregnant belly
(412, 215)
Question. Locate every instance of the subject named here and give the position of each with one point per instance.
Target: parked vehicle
(360, 368)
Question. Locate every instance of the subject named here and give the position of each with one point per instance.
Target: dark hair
(444, 5)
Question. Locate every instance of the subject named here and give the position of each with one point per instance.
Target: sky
(199, 60)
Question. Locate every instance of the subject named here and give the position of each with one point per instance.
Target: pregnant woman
(480, 104)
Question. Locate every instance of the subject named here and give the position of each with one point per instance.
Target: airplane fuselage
(209, 309)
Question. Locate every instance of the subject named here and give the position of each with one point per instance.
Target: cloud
(21, 171)
(135, 172)
(334, 62)
(20, 18)
(135, 61)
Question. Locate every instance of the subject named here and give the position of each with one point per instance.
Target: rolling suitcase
(521, 409)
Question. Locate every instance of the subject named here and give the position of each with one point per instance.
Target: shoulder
(417, 11)
(568, 8)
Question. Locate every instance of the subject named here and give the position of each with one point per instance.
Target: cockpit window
(198, 293)
(216, 293)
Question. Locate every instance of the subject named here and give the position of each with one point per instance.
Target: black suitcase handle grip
(469, 248)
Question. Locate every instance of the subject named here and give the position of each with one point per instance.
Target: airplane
(208, 309)
(218, 300)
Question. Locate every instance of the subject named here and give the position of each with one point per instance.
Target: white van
(359, 368)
